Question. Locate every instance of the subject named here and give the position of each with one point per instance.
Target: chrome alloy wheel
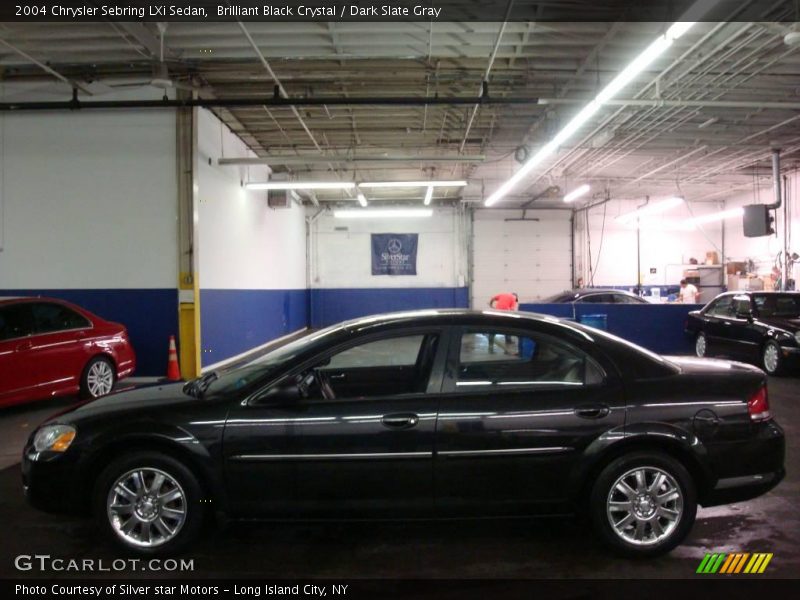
(771, 358)
(644, 506)
(700, 346)
(146, 507)
(100, 378)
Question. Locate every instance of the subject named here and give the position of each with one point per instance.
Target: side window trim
(36, 332)
(435, 379)
(450, 381)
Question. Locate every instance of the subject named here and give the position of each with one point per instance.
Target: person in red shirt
(505, 301)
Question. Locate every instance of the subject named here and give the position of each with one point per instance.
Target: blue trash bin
(596, 321)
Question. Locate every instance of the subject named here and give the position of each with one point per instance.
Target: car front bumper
(52, 482)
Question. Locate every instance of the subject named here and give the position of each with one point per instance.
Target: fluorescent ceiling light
(411, 184)
(300, 185)
(577, 193)
(636, 66)
(383, 213)
(725, 214)
(651, 209)
(362, 199)
(428, 195)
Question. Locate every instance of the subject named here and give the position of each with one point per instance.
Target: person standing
(688, 293)
(505, 301)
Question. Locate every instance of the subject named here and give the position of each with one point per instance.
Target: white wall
(89, 199)
(763, 250)
(243, 244)
(664, 246)
(341, 254)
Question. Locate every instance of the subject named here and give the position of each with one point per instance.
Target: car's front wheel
(643, 504)
(771, 358)
(701, 345)
(149, 503)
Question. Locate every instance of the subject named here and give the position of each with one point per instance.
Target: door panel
(362, 457)
(16, 356)
(517, 415)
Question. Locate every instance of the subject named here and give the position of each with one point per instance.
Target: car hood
(789, 324)
(707, 366)
(153, 396)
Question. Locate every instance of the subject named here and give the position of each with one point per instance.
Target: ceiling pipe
(289, 160)
(46, 68)
(485, 81)
(253, 101)
(776, 178)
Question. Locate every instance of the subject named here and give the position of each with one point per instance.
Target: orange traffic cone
(173, 370)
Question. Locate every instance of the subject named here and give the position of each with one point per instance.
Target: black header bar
(392, 10)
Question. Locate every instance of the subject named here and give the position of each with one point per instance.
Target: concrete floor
(536, 548)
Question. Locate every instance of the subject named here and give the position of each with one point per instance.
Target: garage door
(531, 258)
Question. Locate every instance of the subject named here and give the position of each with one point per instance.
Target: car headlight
(53, 438)
(797, 337)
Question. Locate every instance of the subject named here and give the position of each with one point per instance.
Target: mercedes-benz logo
(395, 246)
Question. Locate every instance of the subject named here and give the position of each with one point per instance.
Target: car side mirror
(287, 393)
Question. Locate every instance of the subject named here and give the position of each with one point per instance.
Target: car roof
(19, 299)
(453, 316)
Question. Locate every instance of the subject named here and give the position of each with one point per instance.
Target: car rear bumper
(750, 468)
(738, 489)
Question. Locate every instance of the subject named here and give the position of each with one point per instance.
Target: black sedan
(594, 296)
(759, 327)
(421, 415)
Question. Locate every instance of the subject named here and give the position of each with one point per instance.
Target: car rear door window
(16, 321)
(50, 317)
(504, 360)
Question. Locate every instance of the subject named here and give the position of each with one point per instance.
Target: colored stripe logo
(734, 563)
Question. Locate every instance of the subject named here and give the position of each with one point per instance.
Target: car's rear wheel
(149, 503)
(701, 345)
(771, 358)
(98, 378)
(643, 504)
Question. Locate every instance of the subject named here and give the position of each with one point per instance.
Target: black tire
(766, 363)
(601, 494)
(87, 391)
(194, 509)
(697, 342)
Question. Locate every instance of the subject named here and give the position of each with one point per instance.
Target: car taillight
(758, 405)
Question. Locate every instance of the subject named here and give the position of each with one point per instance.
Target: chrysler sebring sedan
(421, 415)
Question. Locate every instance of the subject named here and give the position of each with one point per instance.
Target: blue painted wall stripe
(235, 321)
(151, 316)
(657, 327)
(332, 305)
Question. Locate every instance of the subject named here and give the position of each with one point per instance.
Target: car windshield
(238, 378)
(778, 305)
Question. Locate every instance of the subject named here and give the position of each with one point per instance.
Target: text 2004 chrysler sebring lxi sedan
(422, 414)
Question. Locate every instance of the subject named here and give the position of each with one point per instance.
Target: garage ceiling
(680, 133)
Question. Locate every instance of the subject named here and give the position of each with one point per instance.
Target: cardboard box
(735, 267)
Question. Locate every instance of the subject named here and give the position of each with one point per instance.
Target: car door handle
(597, 411)
(337, 376)
(400, 421)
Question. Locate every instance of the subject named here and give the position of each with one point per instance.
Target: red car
(51, 348)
